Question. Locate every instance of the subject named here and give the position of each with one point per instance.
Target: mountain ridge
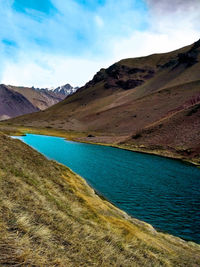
(13, 103)
(38, 99)
(132, 95)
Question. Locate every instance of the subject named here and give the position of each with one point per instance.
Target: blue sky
(52, 42)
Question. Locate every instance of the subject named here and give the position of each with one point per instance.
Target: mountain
(38, 99)
(41, 98)
(65, 90)
(49, 216)
(149, 104)
(61, 91)
(13, 103)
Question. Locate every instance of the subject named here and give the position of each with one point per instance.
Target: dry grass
(49, 216)
(16, 130)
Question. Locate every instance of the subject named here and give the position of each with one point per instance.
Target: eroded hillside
(149, 103)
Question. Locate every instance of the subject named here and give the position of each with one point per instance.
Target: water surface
(163, 192)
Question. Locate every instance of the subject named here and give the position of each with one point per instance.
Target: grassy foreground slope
(150, 103)
(49, 216)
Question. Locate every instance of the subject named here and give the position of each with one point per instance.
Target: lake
(160, 191)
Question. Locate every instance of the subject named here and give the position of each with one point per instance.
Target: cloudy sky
(45, 43)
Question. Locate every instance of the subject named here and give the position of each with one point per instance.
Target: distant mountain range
(16, 100)
(13, 104)
(149, 104)
(64, 90)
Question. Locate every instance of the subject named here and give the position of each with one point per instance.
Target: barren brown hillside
(40, 99)
(13, 103)
(16, 100)
(150, 102)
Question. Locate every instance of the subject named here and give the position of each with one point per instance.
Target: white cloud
(171, 6)
(170, 27)
(45, 70)
(99, 21)
(79, 42)
(146, 43)
(69, 46)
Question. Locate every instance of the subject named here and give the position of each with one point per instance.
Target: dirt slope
(14, 104)
(132, 95)
(17, 101)
(41, 99)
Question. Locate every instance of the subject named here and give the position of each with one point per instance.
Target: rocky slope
(150, 102)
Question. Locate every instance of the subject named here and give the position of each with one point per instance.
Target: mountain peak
(66, 89)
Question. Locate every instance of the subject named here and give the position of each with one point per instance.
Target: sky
(48, 43)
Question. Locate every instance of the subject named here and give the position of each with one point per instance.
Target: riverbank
(112, 141)
(50, 216)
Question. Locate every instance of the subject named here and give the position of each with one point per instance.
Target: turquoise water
(160, 191)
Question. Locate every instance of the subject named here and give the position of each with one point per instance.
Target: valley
(49, 214)
(146, 104)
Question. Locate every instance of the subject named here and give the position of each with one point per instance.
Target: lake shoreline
(160, 153)
(53, 205)
(82, 138)
(135, 220)
(96, 189)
